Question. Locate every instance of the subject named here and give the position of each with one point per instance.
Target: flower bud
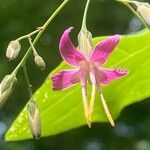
(144, 10)
(39, 62)
(7, 82)
(85, 42)
(34, 119)
(13, 50)
(6, 87)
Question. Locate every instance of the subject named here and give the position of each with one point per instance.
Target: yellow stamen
(92, 101)
(107, 110)
(86, 107)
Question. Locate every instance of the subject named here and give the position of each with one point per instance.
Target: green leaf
(62, 111)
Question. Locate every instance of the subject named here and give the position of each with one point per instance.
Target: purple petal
(105, 76)
(104, 48)
(65, 79)
(68, 52)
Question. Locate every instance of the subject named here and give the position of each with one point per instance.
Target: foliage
(62, 111)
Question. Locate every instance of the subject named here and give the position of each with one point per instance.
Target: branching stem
(30, 34)
(22, 62)
(32, 46)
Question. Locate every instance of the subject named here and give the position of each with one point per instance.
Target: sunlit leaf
(63, 111)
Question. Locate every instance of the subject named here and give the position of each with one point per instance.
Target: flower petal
(68, 52)
(104, 48)
(105, 76)
(65, 79)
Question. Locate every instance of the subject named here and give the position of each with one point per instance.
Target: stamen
(110, 119)
(86, 107)
(92, 101)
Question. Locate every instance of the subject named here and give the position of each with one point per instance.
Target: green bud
(6, 88)
(13, 50)
(144, 10)
(85, 42)
(34, 119)
(39, 62)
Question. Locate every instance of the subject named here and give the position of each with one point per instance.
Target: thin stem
(135, 13)
(138, 16)
(32, 46)
(27, 81)
(29, 35)
(134, 2)
(85, 15)
(22, 62)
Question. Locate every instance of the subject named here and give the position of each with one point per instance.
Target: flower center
(85, 65)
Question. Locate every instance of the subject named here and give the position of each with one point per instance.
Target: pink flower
(88, 69)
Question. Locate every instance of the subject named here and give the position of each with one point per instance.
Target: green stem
(134, 2)
(32, 46)
(27, 81)
(138, 16)
(29, 35)
(135, 13)
(22, 62)
(85, 15)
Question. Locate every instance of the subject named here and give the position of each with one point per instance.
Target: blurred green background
(105, 17)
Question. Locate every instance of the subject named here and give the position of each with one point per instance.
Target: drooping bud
(144, 10)
(85, 41)
(7, 82)
(13, 50)
(39, 62)
(6, 87)
(34, 119)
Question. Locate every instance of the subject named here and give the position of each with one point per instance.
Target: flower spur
(88, 67)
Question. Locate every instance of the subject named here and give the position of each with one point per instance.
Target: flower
(88, 67)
